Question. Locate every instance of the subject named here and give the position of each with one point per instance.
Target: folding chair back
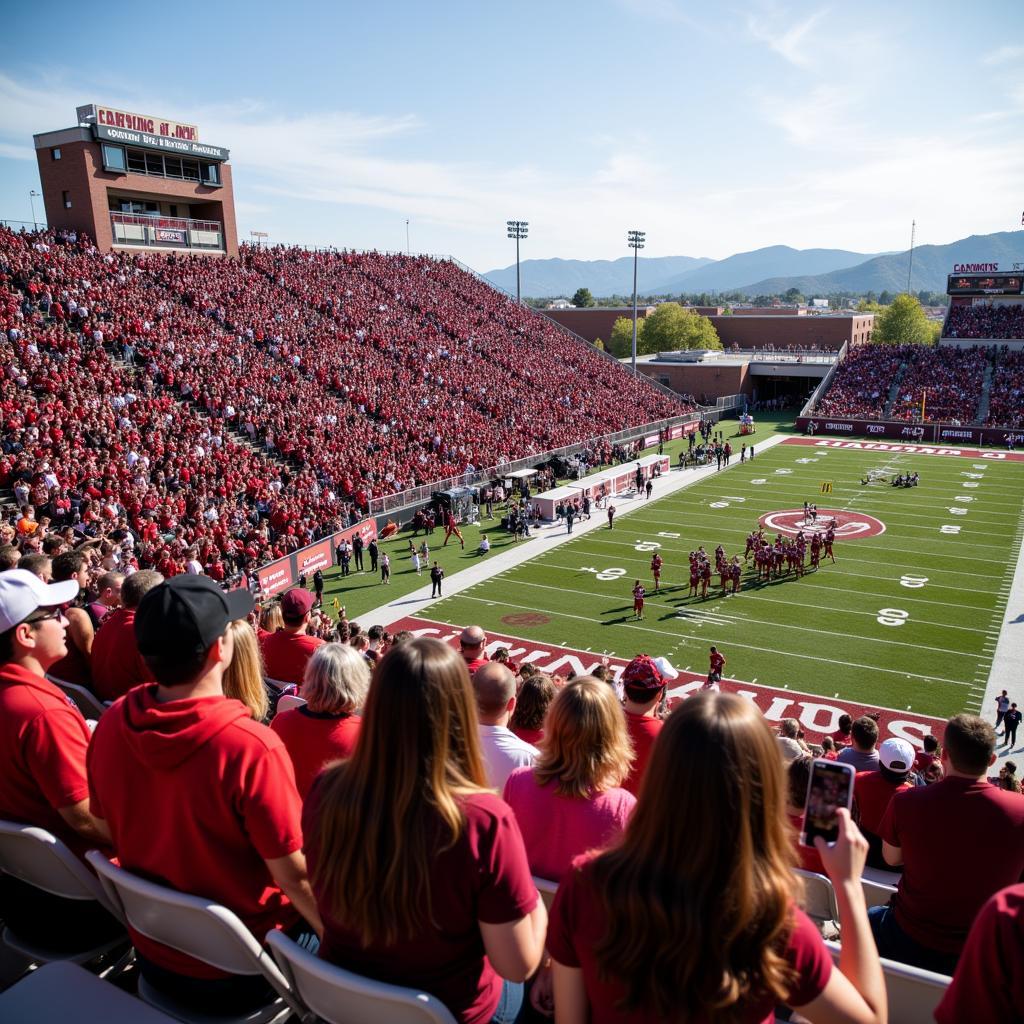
(338, 996)
(912, 993)
(289, 701)
(87, 702)
(547, 890)
(820, 903)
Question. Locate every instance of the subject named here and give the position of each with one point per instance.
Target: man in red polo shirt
(644, 686)
(196, 794)
(958, 842)
(286, 652)
(872, 792)
(117, 665)
(43, 742)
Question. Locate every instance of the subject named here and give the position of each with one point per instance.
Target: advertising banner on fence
(928, 433)
(276, 577)
(818, 716)
(316, 556)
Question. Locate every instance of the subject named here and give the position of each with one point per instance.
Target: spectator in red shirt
(76, 665)
(945, 883)
(798, 774)
(652, 929)
(872, 792)
(326, 727)
(43, 742)
(196, 793)
(644, 687)
(117, 665)
(843, 735)
(286, 652)
(472, 641)
(986, 985)
(419, 871)
(927, 755)
(536, 692)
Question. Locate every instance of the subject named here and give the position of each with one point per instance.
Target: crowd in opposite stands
(247, 407)
(1006, 402)
(396, 820)
(860, 386)
(986, 321)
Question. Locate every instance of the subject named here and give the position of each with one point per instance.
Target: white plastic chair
(40, 859)
(202, 929)
(912, 993)
(87, 702)
(338, 996)
(821, 905)
(289, 702)
(547, 890)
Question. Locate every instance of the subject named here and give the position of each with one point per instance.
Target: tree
(582, 299)
(670, 328)
(903, 323)
(621, 342)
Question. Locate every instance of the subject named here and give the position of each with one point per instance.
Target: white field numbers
(892, 616)
(964, 499)
(914, 582)
(613, 573)
(646, 545)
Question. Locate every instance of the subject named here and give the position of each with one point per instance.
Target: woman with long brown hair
(243, 678)
(693, 915)
(570, 800)
(419, 871)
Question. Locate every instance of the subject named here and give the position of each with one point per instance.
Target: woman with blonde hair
(326, 727)
(418, 870)
(243, 678)
(693, 915)
(570, 800)
(270, 620)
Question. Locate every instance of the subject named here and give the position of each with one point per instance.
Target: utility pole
(517, 229)
(636, 243)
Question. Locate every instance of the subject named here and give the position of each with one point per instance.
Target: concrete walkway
(547, 538)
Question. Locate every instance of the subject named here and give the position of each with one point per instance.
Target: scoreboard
(985, 284)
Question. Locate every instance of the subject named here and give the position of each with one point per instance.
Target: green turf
(361, 592)
(819, 634)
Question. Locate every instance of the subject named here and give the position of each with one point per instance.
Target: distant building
(134, 181)
(561, 304)
(596, 321)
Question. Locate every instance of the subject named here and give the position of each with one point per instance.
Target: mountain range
(769, 271)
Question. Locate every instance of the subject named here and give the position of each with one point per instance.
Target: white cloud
(793, 44)
(1003, 55)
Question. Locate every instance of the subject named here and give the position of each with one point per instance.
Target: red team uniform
(638, 599)
(656, 563)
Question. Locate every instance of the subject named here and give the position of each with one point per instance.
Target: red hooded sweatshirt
(197, 796)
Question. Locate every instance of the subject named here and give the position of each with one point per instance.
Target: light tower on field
(636, 243)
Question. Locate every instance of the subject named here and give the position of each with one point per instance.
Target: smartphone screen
(829, 788)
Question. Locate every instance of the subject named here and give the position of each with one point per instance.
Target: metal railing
(414, 495)
(165, 232)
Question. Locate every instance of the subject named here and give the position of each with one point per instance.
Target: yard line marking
(762, 622)
(751, 647)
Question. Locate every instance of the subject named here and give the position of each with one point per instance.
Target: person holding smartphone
(625, 949)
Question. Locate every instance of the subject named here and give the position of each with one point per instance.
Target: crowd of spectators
(985, 321)
(247, 407)
(1006, 398)
(860, 386)
(401, 862)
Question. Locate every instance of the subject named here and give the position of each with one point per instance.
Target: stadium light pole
(517, 229)
(636, 243)
(32, 199)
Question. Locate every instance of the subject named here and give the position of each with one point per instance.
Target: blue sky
(714, 127)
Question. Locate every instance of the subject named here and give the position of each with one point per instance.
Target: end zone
(817, 716)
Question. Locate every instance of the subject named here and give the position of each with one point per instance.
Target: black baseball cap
(185, 615)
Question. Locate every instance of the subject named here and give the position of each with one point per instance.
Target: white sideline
(548, 538)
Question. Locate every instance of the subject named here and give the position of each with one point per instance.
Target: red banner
(316, 556)
(907, 449)
(817, 716)
(276, 577)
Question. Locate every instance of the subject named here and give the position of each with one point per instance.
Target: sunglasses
(52, 613)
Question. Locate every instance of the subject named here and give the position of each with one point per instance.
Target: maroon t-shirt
(987, 985)
(962, 840)
(643, 731)
(483, 877)
(285, 655)
(313, 740)
(578, 923)
(872, 793)
(117, 665)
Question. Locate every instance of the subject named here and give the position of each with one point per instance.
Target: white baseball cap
(665, 668)
(22, 592)
(896, 755)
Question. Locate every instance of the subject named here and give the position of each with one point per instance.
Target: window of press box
(113, 158)
(211, 174)
(55, 153)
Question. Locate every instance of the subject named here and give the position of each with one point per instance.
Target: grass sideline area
(906, 618)
(361, 592)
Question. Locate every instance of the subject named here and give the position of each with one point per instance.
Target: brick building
(595, 322)
(132, 181)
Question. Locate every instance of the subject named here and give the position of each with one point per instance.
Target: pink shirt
(558, 828)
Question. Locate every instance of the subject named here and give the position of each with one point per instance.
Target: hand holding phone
(829, 788)
(844, 859)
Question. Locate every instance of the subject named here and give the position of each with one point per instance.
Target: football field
(907, 617)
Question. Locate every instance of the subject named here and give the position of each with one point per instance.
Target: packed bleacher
(985, 321)
(364, 830)
(1006, 401)
(860, 386)
(248, 407)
